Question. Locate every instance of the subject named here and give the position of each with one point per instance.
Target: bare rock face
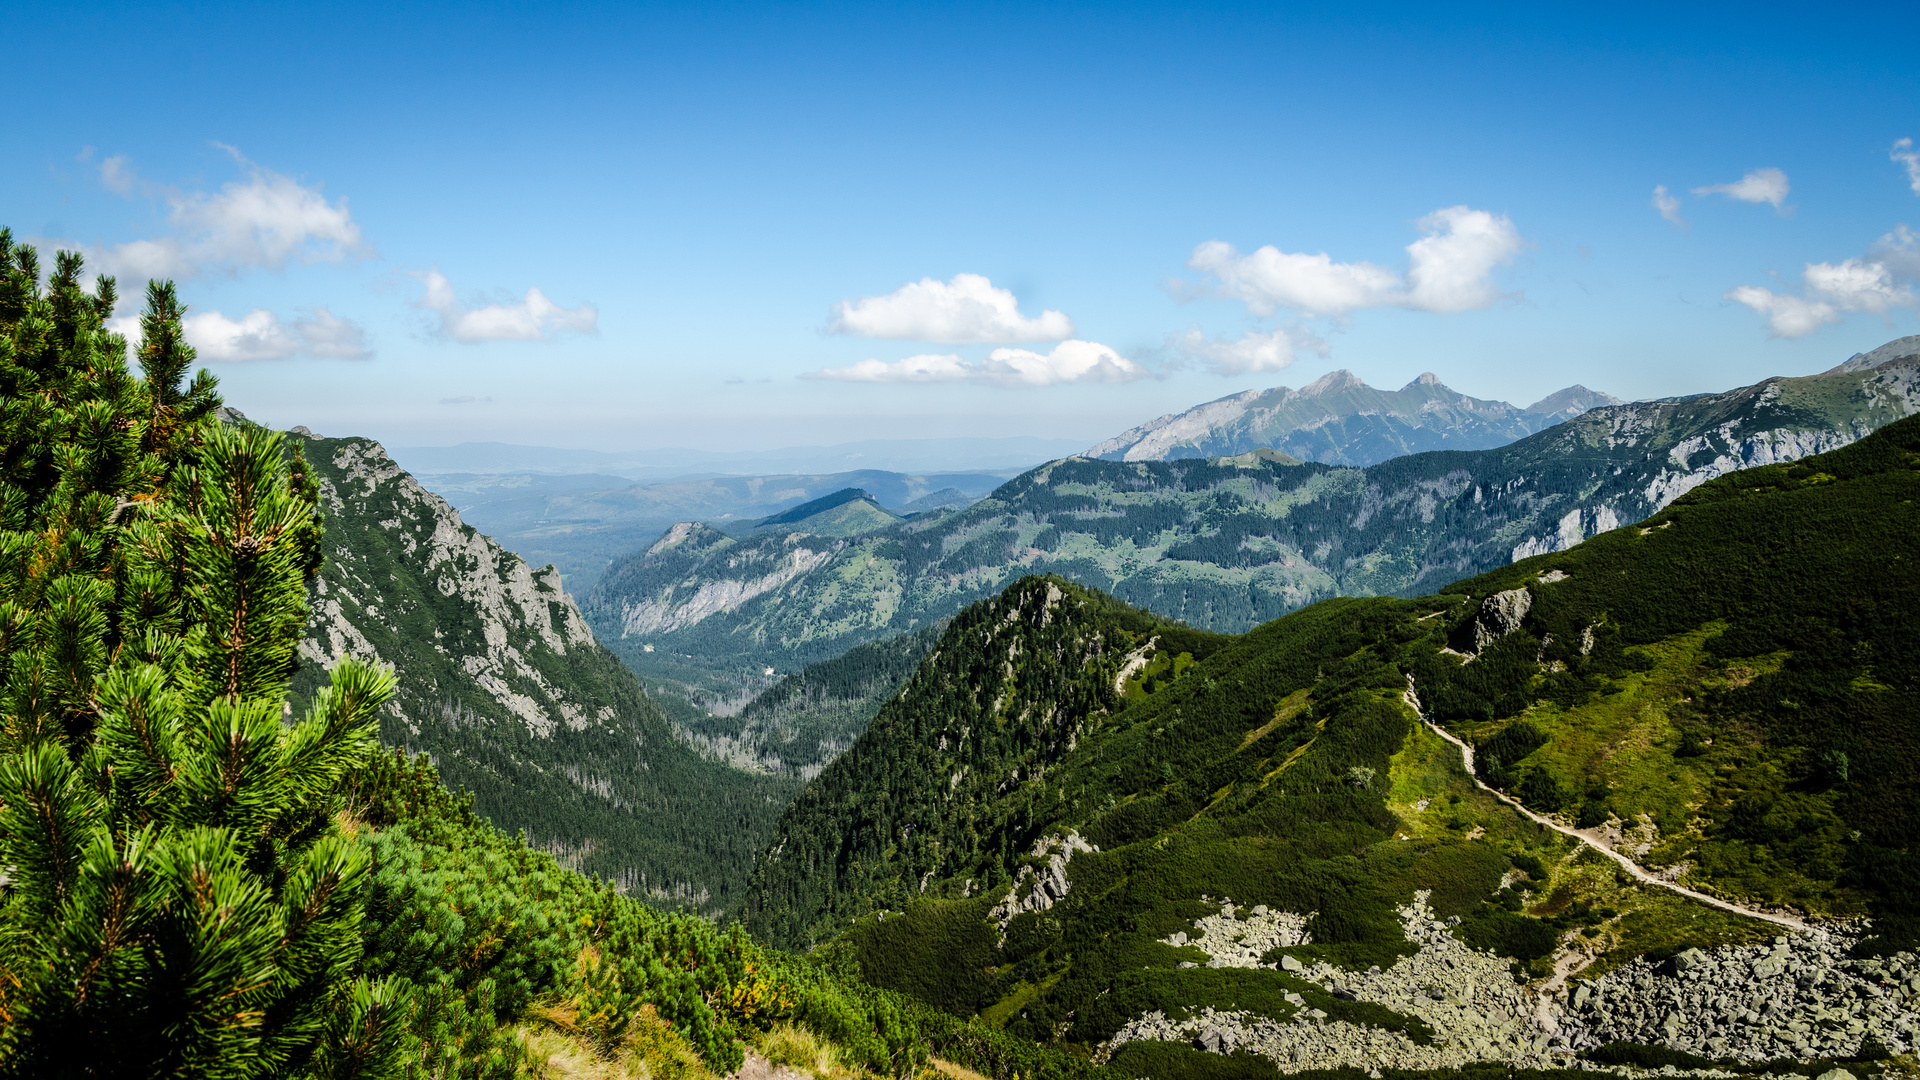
(1500, 615)
(1039, 889)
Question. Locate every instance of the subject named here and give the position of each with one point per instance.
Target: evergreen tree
(178, 896)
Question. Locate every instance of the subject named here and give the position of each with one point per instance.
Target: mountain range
(1340, 420)
(1222, 543)
(582, 522)
(1499, 822)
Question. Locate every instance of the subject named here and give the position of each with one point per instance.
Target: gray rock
(1288, 963)
(1500, 615)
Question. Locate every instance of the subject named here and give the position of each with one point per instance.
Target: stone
(1836, 1074)
(1500, 615)
(1288, 963)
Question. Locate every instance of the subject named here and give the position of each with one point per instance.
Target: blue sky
(751, 226)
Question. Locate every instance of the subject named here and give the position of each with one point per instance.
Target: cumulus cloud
(1767, 185)
(263, 221)
(260, 335)
(1876, 283)
(1256, 350)
(1449, 269)
(1668, 205)
(1904, 153)
(1069, 361)
(1857, 285)
(533, 318)
(966, 310)
(1787, 316)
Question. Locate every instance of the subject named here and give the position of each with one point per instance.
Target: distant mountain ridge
(1340, 420)
(581, 522)
(1223, 543)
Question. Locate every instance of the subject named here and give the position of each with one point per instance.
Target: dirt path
(1466, 752)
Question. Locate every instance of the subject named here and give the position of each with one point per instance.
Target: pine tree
(178, 894)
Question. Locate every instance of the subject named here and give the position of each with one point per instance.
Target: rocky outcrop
(1500, 615)
(377, 513)
(1233, 939)
(1468, 998)
(1800, 996)
(502, 683)
(1039, 888)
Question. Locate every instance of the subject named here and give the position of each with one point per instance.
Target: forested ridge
(510, 694)
(1726, 690)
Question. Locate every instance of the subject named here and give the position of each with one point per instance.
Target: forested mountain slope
(1257, 846)
(799, 724)
(501, 680)
(1220, 543)
(1339, 420)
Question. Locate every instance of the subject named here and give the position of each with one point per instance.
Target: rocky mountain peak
(1897, 349)
(1332, 382)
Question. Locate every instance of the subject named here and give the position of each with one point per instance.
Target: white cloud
(1787, 316)
(966, 310)
(1069, 361)
(1877, 283)
(1255, 350)
(1270, 279)
(1449, 269)
(1668, 205)
(1767, 185)
(1904, 153)
(1857, 285)
(326, 334)
(265, 221)
(260, 335)
(534, 318)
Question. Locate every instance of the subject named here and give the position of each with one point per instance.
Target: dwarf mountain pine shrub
(177, 896)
